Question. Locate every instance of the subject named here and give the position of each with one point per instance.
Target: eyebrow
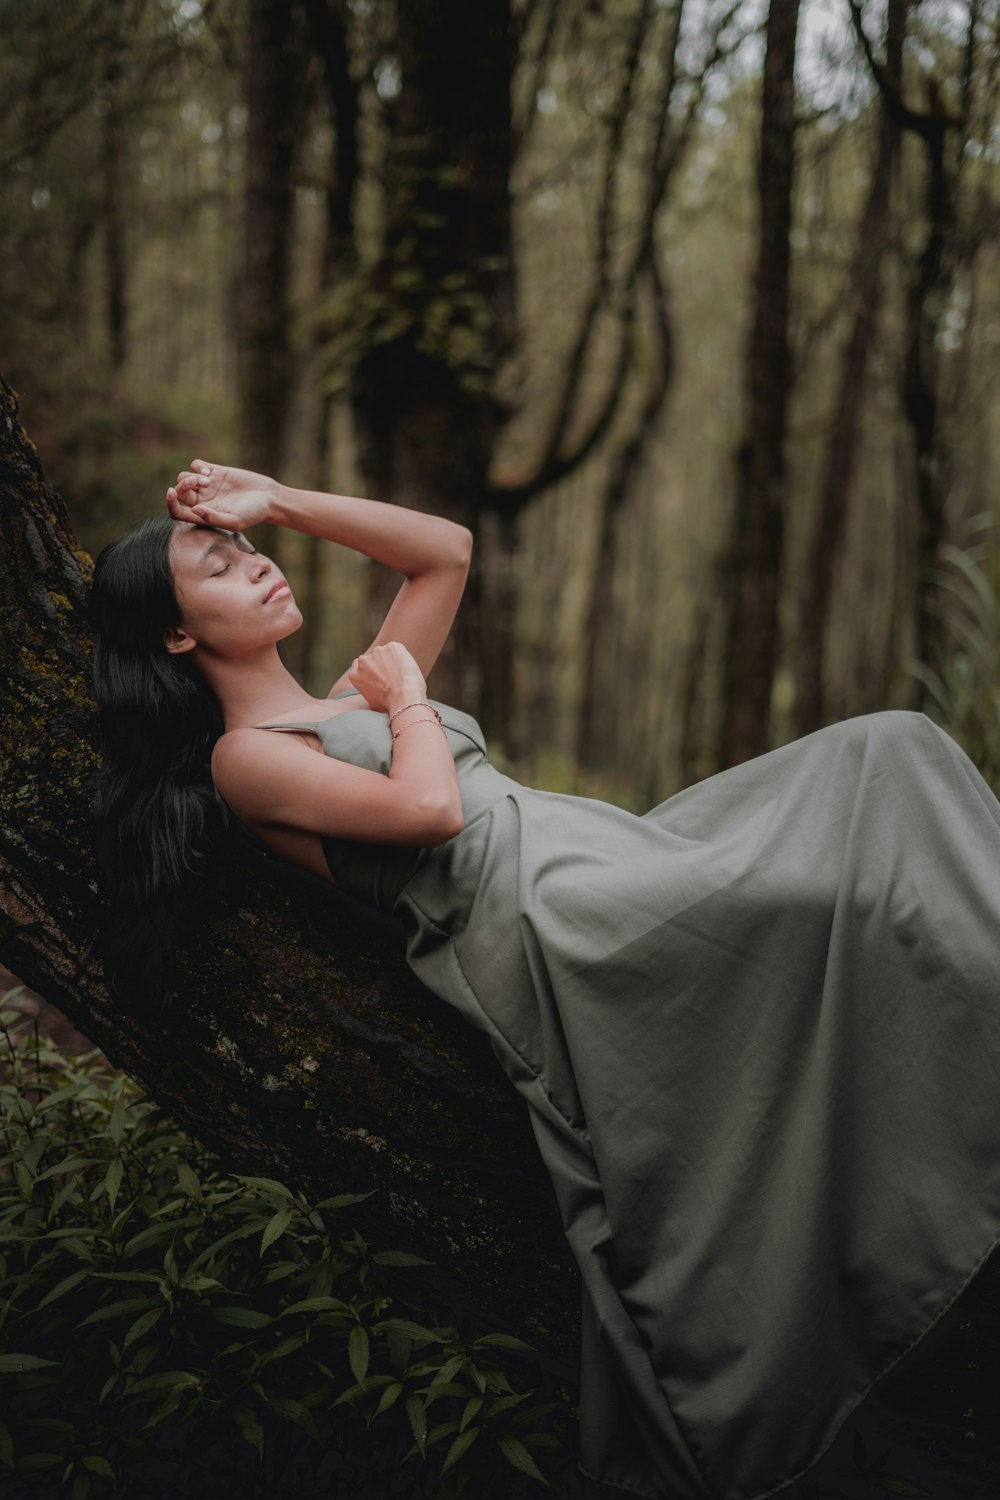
(219, 545)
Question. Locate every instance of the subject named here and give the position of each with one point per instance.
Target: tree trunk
(113, 211)
(845, 439)
(335, 261)
(945, 135)
(753, 569)
(305, 1051)
(595, 743)
(425, 416)
(928, 300)
(498, 575)
(275, 73)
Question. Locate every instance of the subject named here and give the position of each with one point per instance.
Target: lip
(281, 587)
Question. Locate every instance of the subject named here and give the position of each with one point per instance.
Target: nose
(261, 567)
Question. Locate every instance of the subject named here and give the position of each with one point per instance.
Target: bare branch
(523, 121)
(665, 151)
(555, 463)
(931, 124)
(968, 83)
(672, 146)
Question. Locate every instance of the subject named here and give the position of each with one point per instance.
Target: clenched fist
(387, 677)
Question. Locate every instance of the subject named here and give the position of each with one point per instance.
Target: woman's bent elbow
(463, 545)
(456, 825)
(443, 823)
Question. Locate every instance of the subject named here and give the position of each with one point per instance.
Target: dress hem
(777, 1489)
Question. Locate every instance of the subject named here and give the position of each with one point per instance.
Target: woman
(758, 1029)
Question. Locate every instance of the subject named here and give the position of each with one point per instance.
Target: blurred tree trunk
(498, 581)
(951, 240)
(929, 294)
(273, 90)
(596, 740)
(595, 743)
(865, 284)
(753, 567)
(336, 262)
(442, 294)
(113, 209)
(305, 1049)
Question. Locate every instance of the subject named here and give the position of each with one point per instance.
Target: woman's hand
(387, 677)
(214, 495)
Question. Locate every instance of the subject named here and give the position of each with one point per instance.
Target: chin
(294, 623)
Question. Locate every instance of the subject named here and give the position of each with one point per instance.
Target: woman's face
(232, 599)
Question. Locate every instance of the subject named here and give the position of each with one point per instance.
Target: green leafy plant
(167, 1328)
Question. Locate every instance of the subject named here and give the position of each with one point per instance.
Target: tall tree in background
(112, 151)
(434, 317)
(439, 296)
(843, 451)
(753, 565)
(611, 384)
(335, 264)
(953, 232)
(274, 73)
(643, 276)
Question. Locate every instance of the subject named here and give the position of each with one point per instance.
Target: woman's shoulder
(245, 749)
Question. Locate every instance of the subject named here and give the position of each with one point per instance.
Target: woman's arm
(272, 779)
(432, 553)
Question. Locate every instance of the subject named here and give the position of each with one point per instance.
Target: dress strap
(310, 725)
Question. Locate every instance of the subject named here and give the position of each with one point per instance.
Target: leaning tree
(302, 1048)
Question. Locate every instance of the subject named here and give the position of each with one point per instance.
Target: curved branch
(556, 461)
(522, 123)
(663, 156)
(930, 125)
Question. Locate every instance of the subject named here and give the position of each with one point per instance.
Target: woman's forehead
(192, 543)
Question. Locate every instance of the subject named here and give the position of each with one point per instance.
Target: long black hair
(159, 824)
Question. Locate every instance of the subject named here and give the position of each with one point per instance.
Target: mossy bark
(304, 1049)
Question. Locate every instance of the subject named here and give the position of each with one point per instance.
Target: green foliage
(444, 317)
(963, 676)
(166, 1328)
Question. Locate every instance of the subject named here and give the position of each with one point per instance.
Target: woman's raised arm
(432, 553)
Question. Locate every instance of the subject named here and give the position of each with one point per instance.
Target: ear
(177, 640)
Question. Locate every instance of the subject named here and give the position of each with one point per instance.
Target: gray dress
(758, 1033)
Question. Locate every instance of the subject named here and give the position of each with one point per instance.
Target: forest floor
(930, 1427)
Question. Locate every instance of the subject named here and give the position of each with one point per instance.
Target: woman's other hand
(388, 678)
(215, 495)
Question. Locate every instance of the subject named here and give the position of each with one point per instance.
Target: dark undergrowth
(169, 1329)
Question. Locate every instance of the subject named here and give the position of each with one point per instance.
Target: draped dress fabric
(758, 1033)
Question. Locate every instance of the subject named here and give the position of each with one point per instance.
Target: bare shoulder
(236, 745)
(245, 760)
(280, 779)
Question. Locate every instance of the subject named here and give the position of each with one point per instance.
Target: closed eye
(220, 572)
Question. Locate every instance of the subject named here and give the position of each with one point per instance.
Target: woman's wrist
(408, 708)
(400, 703)
(281, 511)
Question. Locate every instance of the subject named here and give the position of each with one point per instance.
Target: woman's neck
(254, 687)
